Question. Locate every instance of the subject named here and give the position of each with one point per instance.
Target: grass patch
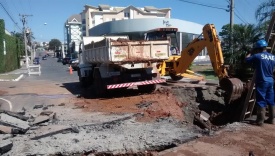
(206, 70)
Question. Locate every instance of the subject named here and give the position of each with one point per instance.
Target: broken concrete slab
(14, 114)
(5, 146)
(40, 119)
(51, 130)
(13, 122)
(204, 116)
(8, 130)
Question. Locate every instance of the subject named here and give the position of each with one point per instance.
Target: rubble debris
(51, 130)
(201, 123)
(8, 130)
(47, 113)
(5, 136)
(51, 105)
(143, 104)
(16, 115)
(14, 122)
(204, 116)
(61, 104)
(42, 119)
(37, 106)
(5, 146)
(79, 107)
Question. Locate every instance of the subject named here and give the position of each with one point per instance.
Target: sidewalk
(15, 75)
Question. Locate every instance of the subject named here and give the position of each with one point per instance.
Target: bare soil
(243, 140)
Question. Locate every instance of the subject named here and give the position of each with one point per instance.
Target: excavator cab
(165, 33)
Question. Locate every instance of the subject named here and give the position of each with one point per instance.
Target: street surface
(121, 123)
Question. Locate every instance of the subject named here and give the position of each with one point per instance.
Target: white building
(92, 16)
(132, 21)
(73, 33)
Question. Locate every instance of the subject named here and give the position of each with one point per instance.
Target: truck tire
(100, 87)
(82, 81)
(147, 88)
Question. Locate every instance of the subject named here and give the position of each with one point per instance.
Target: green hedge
(11, 60)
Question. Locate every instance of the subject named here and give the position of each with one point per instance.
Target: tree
(265, 10)
(264, 13)
(244, 36)
(54, 44)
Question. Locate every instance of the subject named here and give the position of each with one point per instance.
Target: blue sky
(56, 12)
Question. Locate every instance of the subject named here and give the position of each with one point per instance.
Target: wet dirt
(151, 106)
(3, 92)
(180, 103)
(245, 140)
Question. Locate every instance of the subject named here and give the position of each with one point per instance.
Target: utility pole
(25, 37)
(231, 25)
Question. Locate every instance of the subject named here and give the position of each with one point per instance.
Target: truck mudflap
(139, 83)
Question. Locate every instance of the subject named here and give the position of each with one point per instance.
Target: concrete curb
(17, 79)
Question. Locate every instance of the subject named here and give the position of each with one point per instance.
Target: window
(127, 14)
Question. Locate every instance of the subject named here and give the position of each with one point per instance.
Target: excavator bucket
(233, 88)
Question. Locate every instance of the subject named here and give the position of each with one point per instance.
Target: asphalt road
(53, 85)
(51, 70)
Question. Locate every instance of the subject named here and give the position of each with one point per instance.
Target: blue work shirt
(264, 64)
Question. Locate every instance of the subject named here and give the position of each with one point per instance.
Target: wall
(11, 60)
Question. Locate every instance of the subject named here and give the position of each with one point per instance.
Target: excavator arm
(210, 41)
(232, 86)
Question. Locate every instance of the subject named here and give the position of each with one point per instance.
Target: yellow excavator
(177, 66)
(169, 33)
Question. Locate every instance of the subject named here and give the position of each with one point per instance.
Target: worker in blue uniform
(264, 63)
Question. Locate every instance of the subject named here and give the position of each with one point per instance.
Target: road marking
(8, 103)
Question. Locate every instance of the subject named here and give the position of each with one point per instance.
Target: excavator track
(250, 99)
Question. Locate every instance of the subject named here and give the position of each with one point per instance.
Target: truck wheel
(147, 88)
(82, 81)
(100, 87)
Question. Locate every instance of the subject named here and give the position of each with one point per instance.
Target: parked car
(74, 63)
(36, 60)
(66, 60)
(59, 59)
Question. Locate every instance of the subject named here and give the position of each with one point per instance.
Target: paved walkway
(15, 75)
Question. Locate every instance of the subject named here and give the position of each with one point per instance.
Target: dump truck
(115, 62)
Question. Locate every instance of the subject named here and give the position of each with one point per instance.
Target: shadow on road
(89, 92)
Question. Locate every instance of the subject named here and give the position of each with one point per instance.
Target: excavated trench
(193, 100)
(131, 124)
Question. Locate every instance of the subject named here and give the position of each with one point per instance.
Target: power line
(10, 16)
(205, 5)
(15, 7)
(240, 18)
